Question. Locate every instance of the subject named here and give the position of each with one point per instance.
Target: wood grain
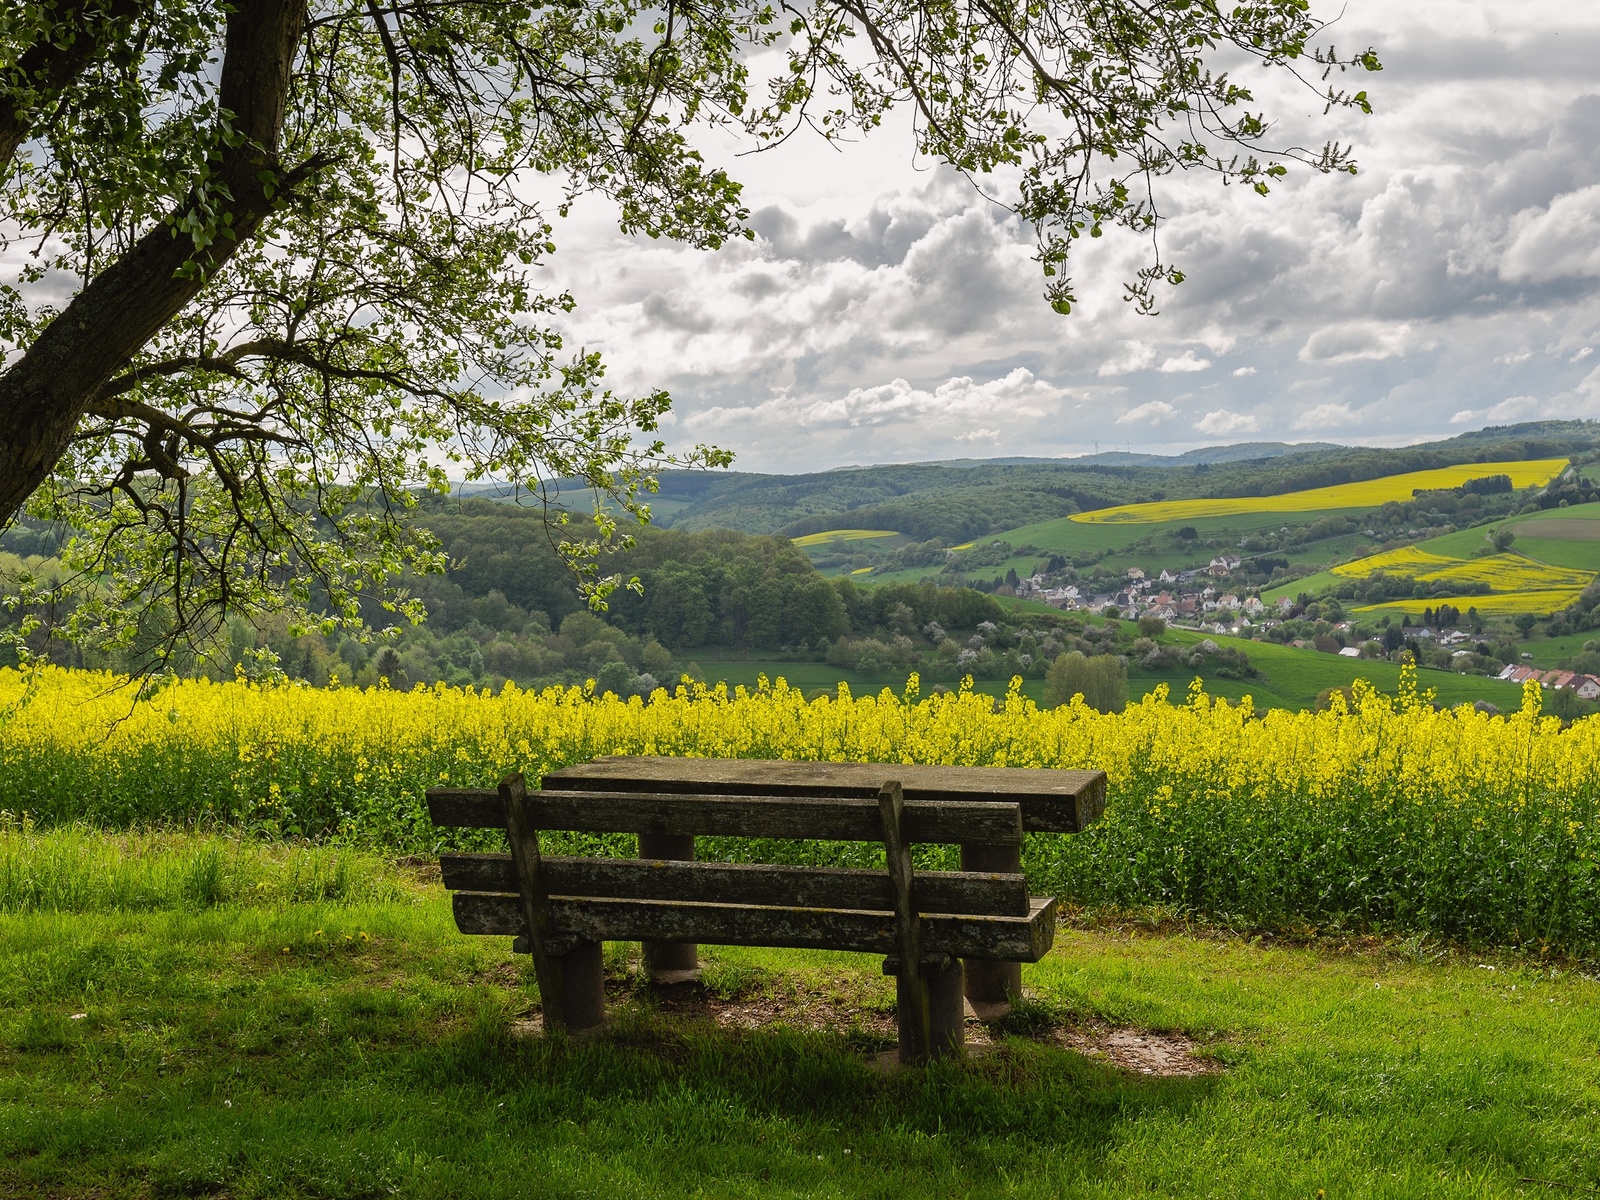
(842, 819)
(978, 893)
(1016, 939)
(1053, 801)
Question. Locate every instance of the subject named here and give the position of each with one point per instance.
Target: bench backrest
(979, 914)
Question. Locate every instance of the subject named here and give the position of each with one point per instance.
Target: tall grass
(79, 869)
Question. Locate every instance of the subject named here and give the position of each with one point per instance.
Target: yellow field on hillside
(1502, 572)
(1509, 604)
(1407, 560)
(842, 535)
(1371, 493)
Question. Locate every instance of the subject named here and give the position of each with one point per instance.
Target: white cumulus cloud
(1150, 413)
(1558, 242)
(1220, 422)
(1184, 363)
(1135, 356)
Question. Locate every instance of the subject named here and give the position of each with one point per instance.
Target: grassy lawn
(360, 1047)
(1292, 678)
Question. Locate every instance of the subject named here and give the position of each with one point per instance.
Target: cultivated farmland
(1371, 493)
(843, 535)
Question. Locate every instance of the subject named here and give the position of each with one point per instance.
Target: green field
(205, 1043)
(1293, 678)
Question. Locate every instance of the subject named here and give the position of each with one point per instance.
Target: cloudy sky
(886, 313)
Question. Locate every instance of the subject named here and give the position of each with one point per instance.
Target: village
(1203, 599)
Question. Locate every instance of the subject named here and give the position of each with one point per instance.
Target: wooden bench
(968, 931)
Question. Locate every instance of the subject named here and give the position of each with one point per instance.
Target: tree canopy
(279, 258)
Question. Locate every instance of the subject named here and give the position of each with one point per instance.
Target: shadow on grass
(1047, 1096)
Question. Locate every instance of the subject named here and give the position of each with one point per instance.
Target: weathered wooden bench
(967, 931)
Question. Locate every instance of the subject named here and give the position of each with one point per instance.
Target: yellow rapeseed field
(1407, 560)
(1390, 813)
(1501, 572)
(1494, 605)
(1372, 493)
(843, 535)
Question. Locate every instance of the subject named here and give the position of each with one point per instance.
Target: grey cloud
(1458, 274)
(675, 312)
(958, 282)
(879, 238)
(1419, 56)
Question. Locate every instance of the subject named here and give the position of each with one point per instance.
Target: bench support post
(928, 1007)
(991, 985)
(670, 962)
(571, 980)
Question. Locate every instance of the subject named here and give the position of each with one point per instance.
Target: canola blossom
(1407, 560)
(1387, 814)
(1371, 493)
(1519, 584)
(842, 535)
(1502, 572)
(1503, 605)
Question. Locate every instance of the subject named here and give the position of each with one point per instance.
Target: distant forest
(957, 502)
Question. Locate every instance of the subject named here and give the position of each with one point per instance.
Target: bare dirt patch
(762, 1006)
(769, 1004)
(1141, 1051)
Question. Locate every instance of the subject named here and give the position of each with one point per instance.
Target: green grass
(1548, 651)
(364, 1049)
(1577, 555)
(1294, 677)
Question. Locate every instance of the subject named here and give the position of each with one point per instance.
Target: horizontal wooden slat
(739, 883)
(1007, 939)
(466, 808)
(834, 819)
(1053, 801)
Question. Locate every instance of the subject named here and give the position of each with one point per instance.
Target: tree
(1101, 680)
(300, 255)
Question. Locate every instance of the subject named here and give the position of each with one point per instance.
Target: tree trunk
(46, 392)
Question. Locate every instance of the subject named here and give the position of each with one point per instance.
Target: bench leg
(992, 987)
(581, 1003)
(669, 962)
(948, 1016)
(946, 1013)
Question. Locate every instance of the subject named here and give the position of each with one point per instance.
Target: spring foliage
(1378, 813)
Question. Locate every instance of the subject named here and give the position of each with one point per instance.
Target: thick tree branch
(45, 394)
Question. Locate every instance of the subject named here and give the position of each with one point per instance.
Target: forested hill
(959, 501)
